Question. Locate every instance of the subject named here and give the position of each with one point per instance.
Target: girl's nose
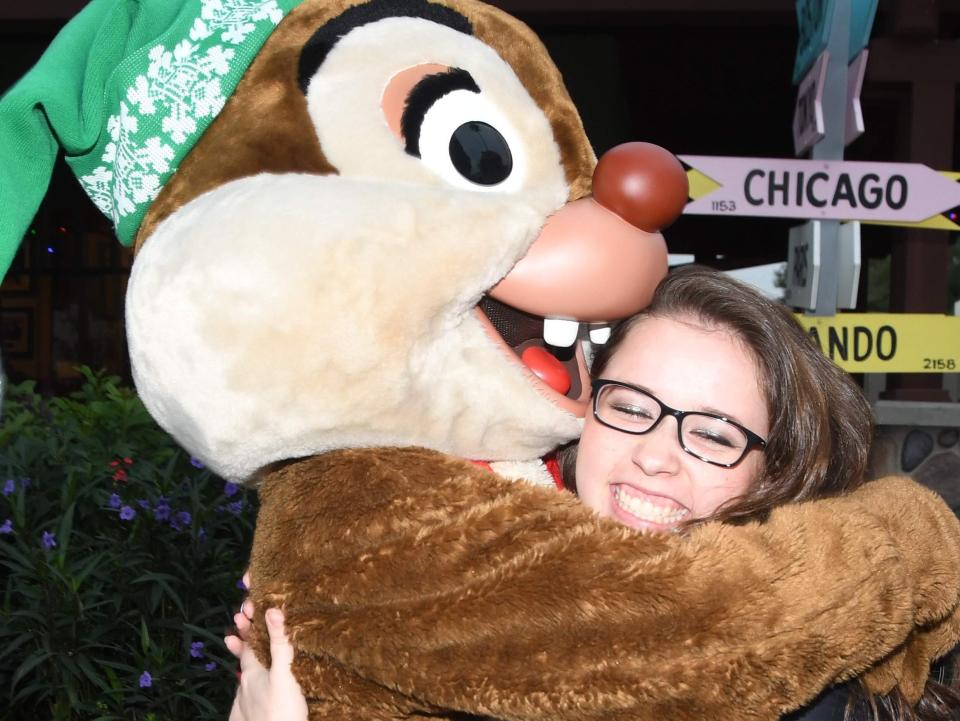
(658, 452)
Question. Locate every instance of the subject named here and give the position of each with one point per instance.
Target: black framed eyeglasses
(708, 436)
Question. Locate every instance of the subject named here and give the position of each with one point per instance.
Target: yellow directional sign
(888, 342)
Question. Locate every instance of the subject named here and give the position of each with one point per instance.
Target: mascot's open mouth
(561, 370)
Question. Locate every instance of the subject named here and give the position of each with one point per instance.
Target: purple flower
(235, 507)
(196, 462)
(146, 680)
(7, 527)
(241, 585)
(114, 501)
(127, 513)
(180, 520)
(9, 487)
(143, 503)
(24, 482)
(49, 540)
(230, 489)
(210, 666)
(202, 534)
(196, 649)
(161, 511)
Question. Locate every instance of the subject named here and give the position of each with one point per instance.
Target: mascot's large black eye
(480, 153)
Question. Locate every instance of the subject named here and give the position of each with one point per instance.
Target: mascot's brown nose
(643, 184)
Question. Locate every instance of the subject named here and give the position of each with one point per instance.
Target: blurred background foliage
(120, 562)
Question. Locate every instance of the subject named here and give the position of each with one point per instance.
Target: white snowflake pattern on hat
(232, 18)
(167, 108)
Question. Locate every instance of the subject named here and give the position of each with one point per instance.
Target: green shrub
(120, 560)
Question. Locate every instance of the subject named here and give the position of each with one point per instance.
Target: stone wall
(929, 454)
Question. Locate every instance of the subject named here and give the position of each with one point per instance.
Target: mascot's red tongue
(547, 368)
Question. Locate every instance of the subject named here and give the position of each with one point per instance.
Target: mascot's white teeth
(564, 333)
(600, 334)
(560, 333)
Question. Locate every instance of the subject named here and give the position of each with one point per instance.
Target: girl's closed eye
(632, 411)
(710, 435)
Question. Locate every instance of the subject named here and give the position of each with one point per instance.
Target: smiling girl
(766, 418)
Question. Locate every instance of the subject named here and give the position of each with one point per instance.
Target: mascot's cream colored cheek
(288, 315)
(345, 99)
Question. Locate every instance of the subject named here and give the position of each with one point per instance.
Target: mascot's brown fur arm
(416, 582)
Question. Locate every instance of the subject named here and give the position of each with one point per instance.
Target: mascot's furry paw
(422, 583)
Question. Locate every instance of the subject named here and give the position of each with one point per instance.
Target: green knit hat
(126, 89)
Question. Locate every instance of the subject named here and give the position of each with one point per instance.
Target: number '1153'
(724, 206)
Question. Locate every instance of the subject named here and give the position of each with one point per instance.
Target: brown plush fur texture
(416, 584)
(265, 128)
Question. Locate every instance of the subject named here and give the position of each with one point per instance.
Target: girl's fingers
(234, 645)
(281, 650)
(243, 625)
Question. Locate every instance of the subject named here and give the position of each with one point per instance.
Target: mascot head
(357, 223)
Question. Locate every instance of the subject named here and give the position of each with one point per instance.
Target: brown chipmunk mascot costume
(342, 208)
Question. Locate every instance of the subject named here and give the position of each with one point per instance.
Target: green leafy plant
(120, 560)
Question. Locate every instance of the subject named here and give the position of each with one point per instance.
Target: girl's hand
(265, 694)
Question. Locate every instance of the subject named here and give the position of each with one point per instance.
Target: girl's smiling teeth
(643, 507)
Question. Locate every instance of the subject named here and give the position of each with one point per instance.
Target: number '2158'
(939, 364)
(724, 206)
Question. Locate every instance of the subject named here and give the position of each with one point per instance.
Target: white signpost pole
(830, 147)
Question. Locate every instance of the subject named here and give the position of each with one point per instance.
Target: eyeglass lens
(711, 438)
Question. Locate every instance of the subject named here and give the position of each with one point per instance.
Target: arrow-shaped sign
(819, 189)
(888, 342)
(855, 72)
(808, 125)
